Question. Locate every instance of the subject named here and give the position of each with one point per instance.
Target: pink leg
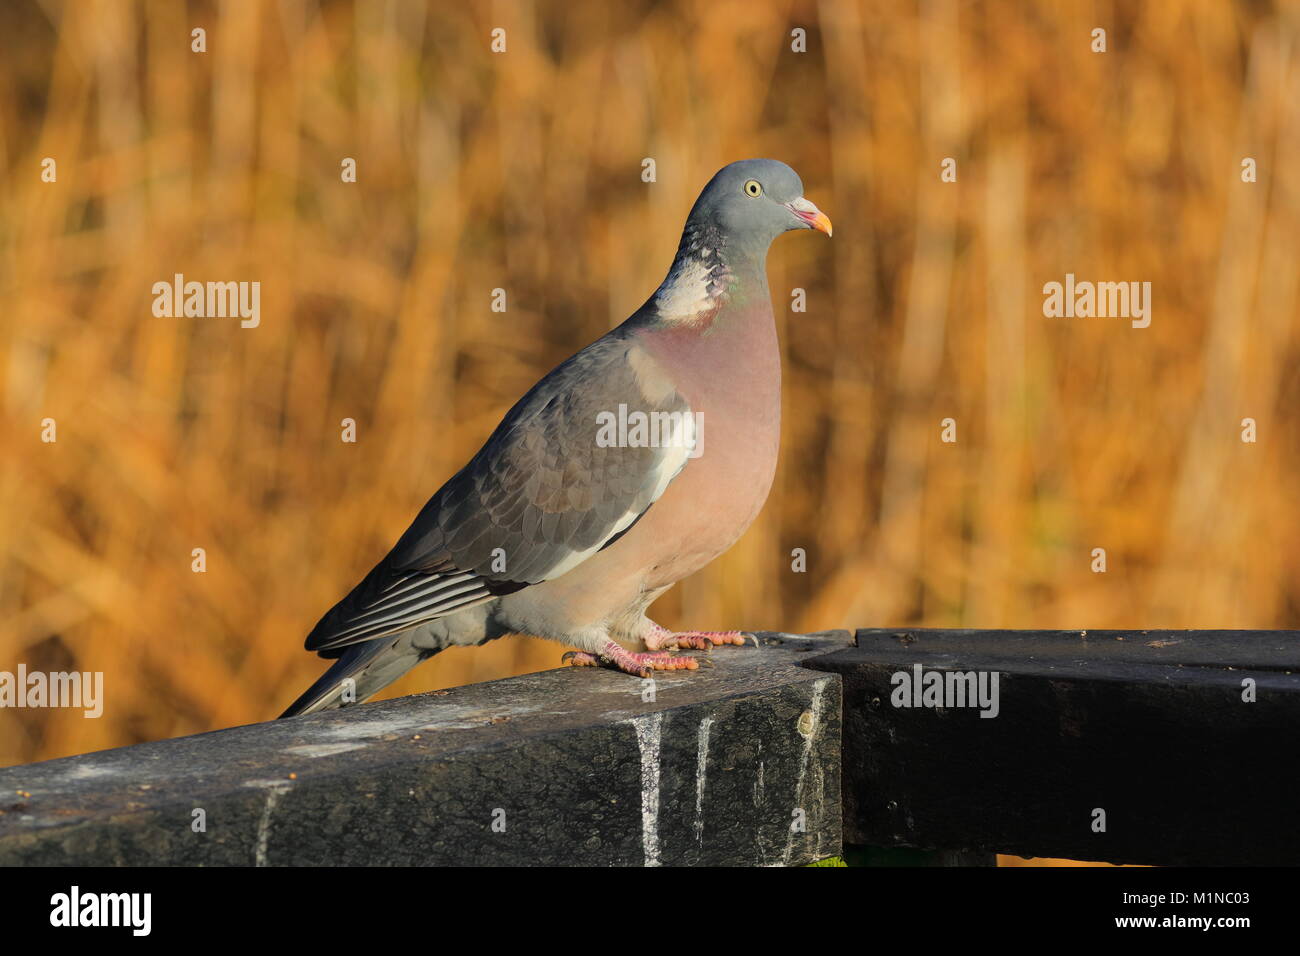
(660, 638)
(639, 665)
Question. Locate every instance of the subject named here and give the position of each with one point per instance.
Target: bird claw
(661, 638)
(641, 665)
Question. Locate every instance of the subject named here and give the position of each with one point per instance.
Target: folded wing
(546, 492)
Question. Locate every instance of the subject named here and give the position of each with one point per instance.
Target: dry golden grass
(522, 171)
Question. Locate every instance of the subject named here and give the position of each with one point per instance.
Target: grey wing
(548, 490)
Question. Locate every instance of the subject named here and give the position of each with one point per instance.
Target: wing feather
(540, 497)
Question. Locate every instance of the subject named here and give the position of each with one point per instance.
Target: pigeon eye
(752, 189)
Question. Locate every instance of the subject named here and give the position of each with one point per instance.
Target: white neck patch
(693, 288)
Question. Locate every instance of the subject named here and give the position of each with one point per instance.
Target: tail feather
(360, 671)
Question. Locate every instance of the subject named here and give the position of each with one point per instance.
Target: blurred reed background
(522, 171)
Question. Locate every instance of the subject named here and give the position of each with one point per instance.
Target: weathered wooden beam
(1152, 728)
(733, 765)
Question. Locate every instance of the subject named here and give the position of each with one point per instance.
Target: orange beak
(813, 217)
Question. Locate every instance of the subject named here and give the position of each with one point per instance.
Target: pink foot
(638, 665)
(660, 638)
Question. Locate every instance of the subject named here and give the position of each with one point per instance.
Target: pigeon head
(751, 202)
(723, 250)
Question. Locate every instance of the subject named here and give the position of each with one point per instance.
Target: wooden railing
(1130, 746)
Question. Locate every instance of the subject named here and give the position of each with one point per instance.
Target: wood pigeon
(630, 466)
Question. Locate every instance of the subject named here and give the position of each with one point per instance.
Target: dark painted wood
(581, 769)
(1149, 726)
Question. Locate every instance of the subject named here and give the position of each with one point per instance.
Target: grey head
(748, 204)
(723, 253)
